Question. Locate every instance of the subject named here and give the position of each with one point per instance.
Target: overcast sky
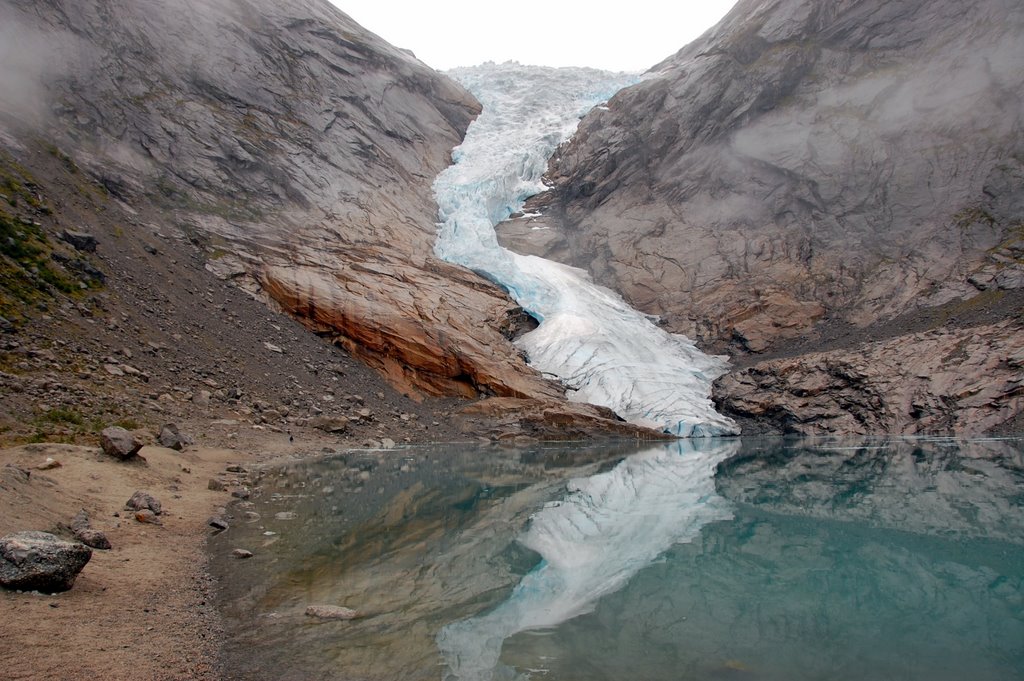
(623, 36)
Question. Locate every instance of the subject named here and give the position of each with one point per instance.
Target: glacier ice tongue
(605, 352)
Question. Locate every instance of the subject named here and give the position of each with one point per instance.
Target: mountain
(278, 146)
(807, 178)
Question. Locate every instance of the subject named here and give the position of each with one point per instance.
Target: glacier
(604, 351)
(608, 527)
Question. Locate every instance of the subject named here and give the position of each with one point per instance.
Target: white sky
(621, 36)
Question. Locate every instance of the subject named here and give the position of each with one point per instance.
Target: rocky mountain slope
(277, 145)
(807, 176)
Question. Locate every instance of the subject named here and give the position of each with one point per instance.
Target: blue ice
(604, 351)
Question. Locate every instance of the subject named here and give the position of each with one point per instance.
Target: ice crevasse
(603, 350)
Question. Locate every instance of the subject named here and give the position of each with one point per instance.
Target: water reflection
(937, 486)
(753, 559)
(607, 528)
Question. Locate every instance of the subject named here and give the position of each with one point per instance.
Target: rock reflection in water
(413, 538)
(898, 559)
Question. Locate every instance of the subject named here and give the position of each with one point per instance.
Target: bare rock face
(40, 561)
(433, 331)
(954, 380)
(295, 148)
(803, 162)
(552, 419)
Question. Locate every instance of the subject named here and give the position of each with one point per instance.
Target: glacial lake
(781, 559)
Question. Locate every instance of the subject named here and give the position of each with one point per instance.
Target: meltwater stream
(606, 352)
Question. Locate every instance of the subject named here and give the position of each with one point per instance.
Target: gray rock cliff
(295, 148)
(805, 169)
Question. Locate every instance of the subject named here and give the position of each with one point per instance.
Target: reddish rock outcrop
(548, 419)
(433, 328)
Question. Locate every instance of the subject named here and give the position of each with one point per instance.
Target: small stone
(49, 464)
(240, 493)
(286, 515)
(273, 348)
(40, 561)
(119, 443)
(387, 443)
(92, 538)
(241, 553)
(201, 398)
(143, 501)
(216, 485)
(80, 521)
(113, 369)
(147, 516)
(331, 612)
(217, 523)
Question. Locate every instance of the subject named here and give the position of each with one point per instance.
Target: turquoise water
(734, 559)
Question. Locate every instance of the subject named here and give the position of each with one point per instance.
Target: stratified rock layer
(292, 145)
(800, 162)
(957, 380)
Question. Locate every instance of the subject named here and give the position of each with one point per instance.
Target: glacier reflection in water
(792, 560)
(606, 352)
(608, 527)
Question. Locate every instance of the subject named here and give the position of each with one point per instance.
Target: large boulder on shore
(40, 561)
(119, 443)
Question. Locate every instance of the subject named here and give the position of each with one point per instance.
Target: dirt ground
(141, 610)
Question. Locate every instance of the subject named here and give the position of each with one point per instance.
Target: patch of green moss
(972, 215)
(1013, 246)
(69, 163)
(62, 416)
(18, 185)
(127, 423)
(26, 270)
(960, 307)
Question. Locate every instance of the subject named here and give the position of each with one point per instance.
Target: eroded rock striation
(804, 167)
(966, 381)
(295, 147)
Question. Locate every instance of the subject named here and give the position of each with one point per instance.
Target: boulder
(81, 241)
(40, 561)
(172, 438)
(217, 523)
(143, 501)
(331, 612)
(330, 424)
(147, 516)
(81, 531)
(119, 443)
